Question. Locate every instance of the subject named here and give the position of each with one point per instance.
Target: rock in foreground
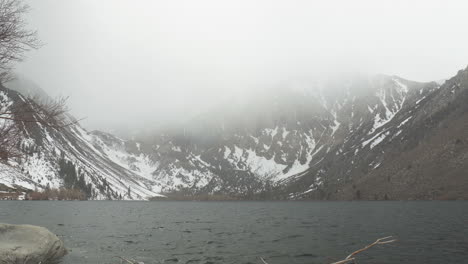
(29, 244)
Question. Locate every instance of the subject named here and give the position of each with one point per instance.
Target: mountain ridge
(338, 141)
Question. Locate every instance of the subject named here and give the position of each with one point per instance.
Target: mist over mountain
(150, 65)
(266, 131)
(353, 137)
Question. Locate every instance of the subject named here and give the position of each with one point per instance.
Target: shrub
(57, 194)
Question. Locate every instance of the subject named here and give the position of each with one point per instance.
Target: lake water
(241, 232)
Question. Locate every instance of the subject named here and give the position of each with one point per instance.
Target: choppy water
(241, 232)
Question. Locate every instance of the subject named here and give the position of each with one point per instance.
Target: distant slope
(425, 152)
(57, 157)
(290, 143)
(359, 137)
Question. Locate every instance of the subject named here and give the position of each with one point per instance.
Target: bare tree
(50, 113)
(16, 110)
(15, 38)
(9, 135)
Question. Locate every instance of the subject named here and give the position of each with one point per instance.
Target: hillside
(51, 157)
(359, 137)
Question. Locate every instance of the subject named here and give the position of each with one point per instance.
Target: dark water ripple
(241, 232)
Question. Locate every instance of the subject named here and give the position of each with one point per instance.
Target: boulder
(29, 245)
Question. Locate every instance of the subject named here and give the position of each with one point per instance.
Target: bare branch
(380, 241)
(50, 113)
(344, 261)
(127, 260)
(15, 39)
(18, 112)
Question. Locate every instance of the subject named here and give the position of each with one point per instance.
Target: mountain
(422, 153)
(285, 142)
(51, 157)
(353, 137)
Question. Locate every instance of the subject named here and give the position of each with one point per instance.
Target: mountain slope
(51, 157)
(427, 158)
(289, 143)
(357, 137)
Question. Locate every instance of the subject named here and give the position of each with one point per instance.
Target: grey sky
(128, 62)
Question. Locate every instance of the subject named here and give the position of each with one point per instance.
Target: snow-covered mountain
(358, 137)
(275, 138)
(52, 157)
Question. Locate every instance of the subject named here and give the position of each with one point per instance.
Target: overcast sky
(128, 61)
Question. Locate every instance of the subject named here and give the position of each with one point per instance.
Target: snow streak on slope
(293, 134)
(44, 149)
(12, 177)
(115, 151)
(391, 104)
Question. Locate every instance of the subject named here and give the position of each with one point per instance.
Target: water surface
(241, 232)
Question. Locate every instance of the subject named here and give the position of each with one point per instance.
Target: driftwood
(380, 241)
(127, 260)
(350, 258)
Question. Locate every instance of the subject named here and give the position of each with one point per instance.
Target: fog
(127, 63)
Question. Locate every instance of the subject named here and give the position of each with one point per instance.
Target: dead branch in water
(350, 258)
(345, 261)
(380, 241)
(127, 260)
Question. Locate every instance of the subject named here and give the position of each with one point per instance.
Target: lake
(242, 232)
